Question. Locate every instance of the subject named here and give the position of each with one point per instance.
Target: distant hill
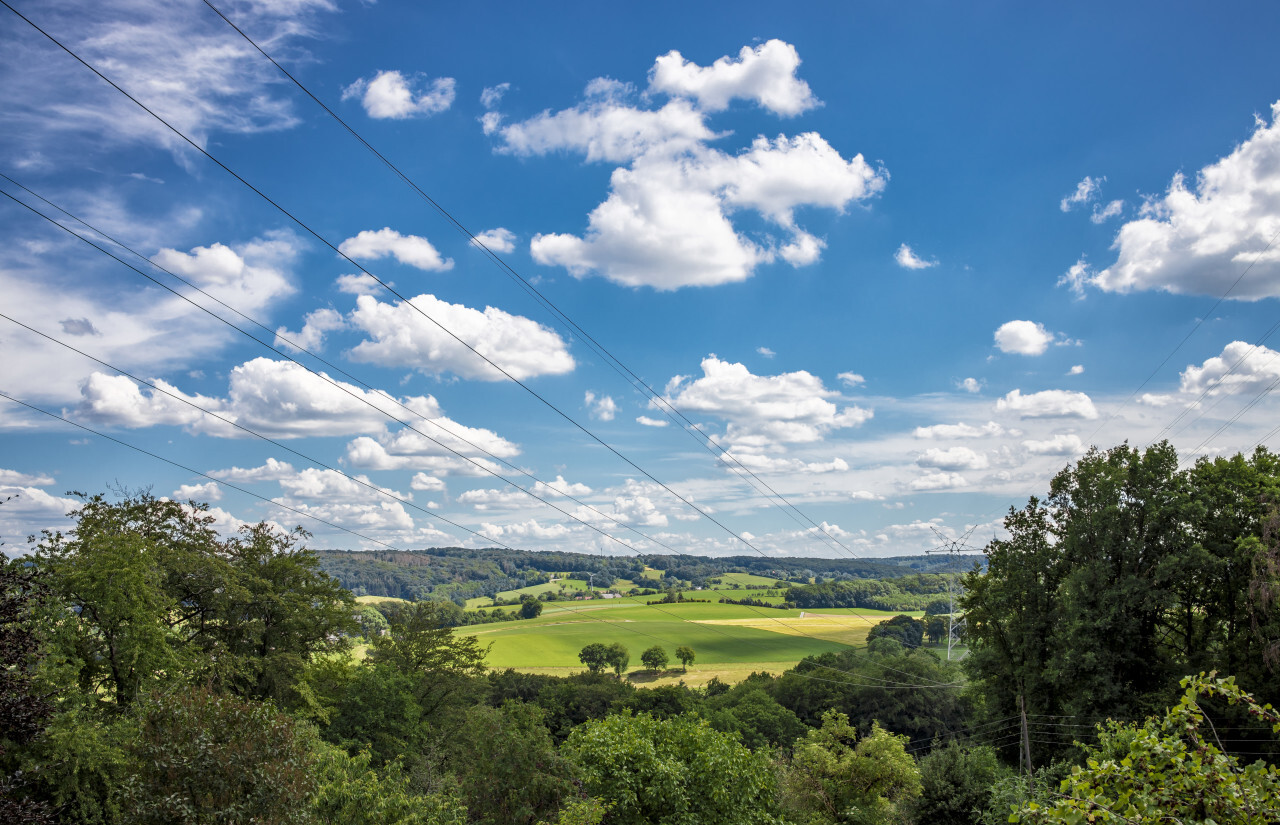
(460, 573)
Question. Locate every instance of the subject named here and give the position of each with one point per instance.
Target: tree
(530, 607)
(907, 631)
(655, 658)
(670, 772)
(617, 657)
(595, 656)
(24, 709)
(350, 792)
(830, 779)
(1169, 769)
(438, 662)
(205, 758)
(955, 785)
(686, 655)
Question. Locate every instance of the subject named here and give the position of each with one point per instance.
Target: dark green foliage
(24, 709)
(507, 766)
(905, 630)
(671, 772)
(686, 655)
(595, 656)
(756, 717)
(955, 785)
(617, 657)
(654, 658)
(350, 792)
(1129, 575)
(204, 758)
(530, 608)
(567, 702)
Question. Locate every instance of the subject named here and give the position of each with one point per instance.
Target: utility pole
(1026, 738)
(953, 549)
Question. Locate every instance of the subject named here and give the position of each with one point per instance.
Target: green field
(532, 590)
(731, 641)
(727, 580)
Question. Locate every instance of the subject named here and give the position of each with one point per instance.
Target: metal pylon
(953, 548)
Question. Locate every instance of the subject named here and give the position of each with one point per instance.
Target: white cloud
(410, 250)
(190, 69)
(491, 96)
(445, 452)
(275, 398)
(1048, 404)
(760, 463)
(788, 408)
(13, 478)
(1059, 445)
(247, 278)
(560, 487)
(497, 240)
(1077, 277)
(864, 495)
(766, 352)
(358, 284)
(531, 529)
(315, 325)
(765, 75)
(272, 470)
(1240, 369)
(639, 511)
(954, 458)
(938, 481)
(30, 510)
(422, 481)
(403, 336)
(851, 379)
(1198, 240)
(960, 430)
(511, 499)
(907, 259)
(972, 385)
(666, 222)
(651, 422)
(1156, 399)
(1078, 369)
(1086, 191)
(390, 95)
(203, 493)
(601, 408)
(1023, 338)
(1106, 213)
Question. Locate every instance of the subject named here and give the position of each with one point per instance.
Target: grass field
(378, 600)
(531, 590)
(727, 580)
(730, 641)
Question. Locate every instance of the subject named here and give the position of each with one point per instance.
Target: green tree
(1169, 769)
(351, 792)
(955, 785)
(907, 631)
(617, 657)
(670, 772)
(655, 658)
(530, 607)
(595, 656)
(686, 655)
(205, 758)
(830, 779)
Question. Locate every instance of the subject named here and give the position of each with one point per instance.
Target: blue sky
(902, 261)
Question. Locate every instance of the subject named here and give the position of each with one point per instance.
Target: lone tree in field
(530, 607)
(617, 657)
(595, 656)
(655, 658)
(685, 654)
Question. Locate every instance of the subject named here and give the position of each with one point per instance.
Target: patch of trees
(912, 592)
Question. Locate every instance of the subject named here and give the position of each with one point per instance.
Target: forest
(1123, 656)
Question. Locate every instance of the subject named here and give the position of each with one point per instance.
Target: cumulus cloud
(972, 385)
(766, 352)
(954, 458)
(410, 250)
(907, 259)
(667, 221)
(272, 470)
(431, 484)
(1200, 237)
(938, 481)
(401, 335)
(960, 430)
(765, 75)
(1240, 369)
(531, 529)
(511, 499)
(209, 491)
(30, 510)
(1059, 445)
(276, 398)
(358, 284)
(315, 326)
(1078, 369)
(763, 410)
(600, 407)
(1023, 338)
(651, 422)
(560, 487)
(13, 478)
(1106, 213)
(248, 277)
(451, 449)
(497, 240)
(1086, 191)
(1048, 404)
(491, 96)
(390, 95)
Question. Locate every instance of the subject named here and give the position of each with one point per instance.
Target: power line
(636, 382)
